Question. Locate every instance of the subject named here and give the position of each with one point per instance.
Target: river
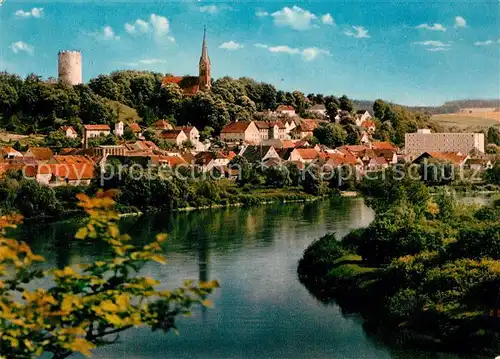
(261, 309)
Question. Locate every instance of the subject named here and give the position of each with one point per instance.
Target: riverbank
(426, 265)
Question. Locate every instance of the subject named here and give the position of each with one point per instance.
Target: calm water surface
(261, 309)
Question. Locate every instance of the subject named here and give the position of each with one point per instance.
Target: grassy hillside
(465, 122)
(125, 113)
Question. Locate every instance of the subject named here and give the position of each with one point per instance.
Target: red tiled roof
(170, 134)
(72, 172)
(307, 153)
(262, 124)
(383, 146)
(285, 108)
(41, 153)
(452, 157)
(135, 127)
(97, 127)
(186, 129)
(173, 161)
(190, 90)
(162, 124)
(354, 149)
(72, 159)
(66, 128)
(288, 144)
(236, 127)
(378, 161)
(367, 124)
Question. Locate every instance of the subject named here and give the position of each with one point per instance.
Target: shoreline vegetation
(426, 267)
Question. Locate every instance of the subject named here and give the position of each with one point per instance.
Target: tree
(313, 182)
(277, 176)
(379, 107)
(330, 134)
(332, 106)
(59, 139)
(353, 134)
(169, 100)
(128, 134)
(86, 306)
(346, 104)
(493, 135)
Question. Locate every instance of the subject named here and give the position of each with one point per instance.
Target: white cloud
(433, 43)
(36, 12)
(160, 24)
(327, 19)
(484, 43)
(438, 49)
(460, 22)
(109, 34)
(157, 24)
(359, 32)
(295, 17)
(209, 9)
(284, 48)
(311, 53)
(434, 27)
(231, 45)
(21, 46)
(152, 61)
(139, 25)
(142, 62)
(308, 54)
(261, 13)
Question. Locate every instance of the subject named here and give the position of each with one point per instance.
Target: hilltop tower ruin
(70, 67)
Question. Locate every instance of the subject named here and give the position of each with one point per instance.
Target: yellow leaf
(207, 303)
(161, 237)
(122, 301)
(81, 345)
(108, 306)
(82, 233)
(159, 259)
(114, 319)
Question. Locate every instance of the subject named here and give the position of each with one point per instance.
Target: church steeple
(204, 66)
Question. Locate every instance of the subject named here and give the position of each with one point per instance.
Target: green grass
(464, 122)
(124, 113)
(349, 267)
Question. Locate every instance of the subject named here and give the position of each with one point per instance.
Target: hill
(123, 112)
(461, 122)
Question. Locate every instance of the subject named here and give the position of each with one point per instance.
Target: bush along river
(261, 309)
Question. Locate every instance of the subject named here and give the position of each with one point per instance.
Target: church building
(190, 85)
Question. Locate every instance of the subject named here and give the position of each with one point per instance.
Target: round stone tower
(70, 67)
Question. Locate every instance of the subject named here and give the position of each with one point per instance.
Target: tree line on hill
(32, 105)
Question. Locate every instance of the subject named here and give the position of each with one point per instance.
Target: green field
(460, 122)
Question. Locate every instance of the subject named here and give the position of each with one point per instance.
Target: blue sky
(411, 52)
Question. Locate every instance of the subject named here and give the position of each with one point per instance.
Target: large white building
(426, 141)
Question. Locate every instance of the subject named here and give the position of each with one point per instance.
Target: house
(162, 125)
(368, 125)
(258, 154)
(191, 132)
(119, 129)
(289, 125)
(176, 137)
(166, 160)
(69, 132)
(318, 109)
(455, 158)
(141, 146)
(93, 131)
(9, 153)
(210, 160)
(69, 174)
(365, 138)
(41, 154)
(58, 159)
(135, 128)
(361, 116)
(377, 163)
(271, 130)
(304, 129)
(383, 146)
(286, 110)
(241, 131)
(304, 155)
(112, 150)
(390, 155)
(478, 164)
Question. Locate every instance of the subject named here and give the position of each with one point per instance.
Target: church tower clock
(204, 66)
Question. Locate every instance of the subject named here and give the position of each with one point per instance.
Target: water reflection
(261, 310)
